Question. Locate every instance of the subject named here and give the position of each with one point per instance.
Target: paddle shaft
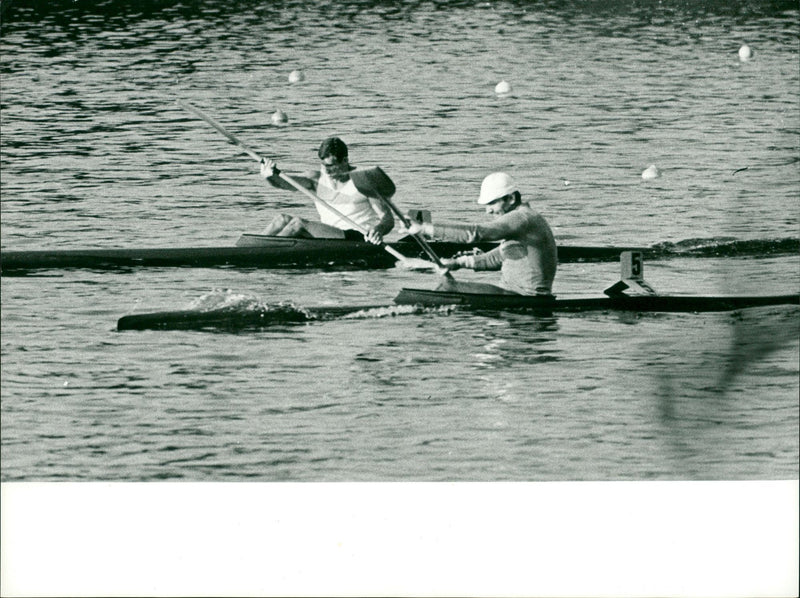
(383, 187)
(250, 152)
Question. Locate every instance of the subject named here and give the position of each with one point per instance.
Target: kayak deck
(641, 303)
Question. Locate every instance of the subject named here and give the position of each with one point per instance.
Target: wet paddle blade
(414, 263)
(481, 288)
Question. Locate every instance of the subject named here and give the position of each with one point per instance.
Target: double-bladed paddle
(381, 185)
(412, 263)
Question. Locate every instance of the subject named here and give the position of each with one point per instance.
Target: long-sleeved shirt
(527, 256)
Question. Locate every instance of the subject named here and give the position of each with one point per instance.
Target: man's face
(338, 170)
(499, 206)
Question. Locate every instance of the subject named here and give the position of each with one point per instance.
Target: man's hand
(374, 237)
(268, 168)
(417, 228)
(449, 264)
(414, 228)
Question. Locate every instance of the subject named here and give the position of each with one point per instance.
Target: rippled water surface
(96, 153)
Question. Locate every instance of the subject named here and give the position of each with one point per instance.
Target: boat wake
(727, 247)
(230, 301)
(391, 311)
(228, 311)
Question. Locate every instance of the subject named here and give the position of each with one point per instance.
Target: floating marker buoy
(279, 118)
(651, 172)
(745, 53)
(296, 77)
(502, 87)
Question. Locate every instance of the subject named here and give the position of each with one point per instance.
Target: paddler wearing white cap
(527, 256)
(332, 183)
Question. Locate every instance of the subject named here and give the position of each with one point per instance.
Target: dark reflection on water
(755, 338)
(700, 400)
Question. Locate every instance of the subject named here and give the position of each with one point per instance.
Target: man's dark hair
(333, 146)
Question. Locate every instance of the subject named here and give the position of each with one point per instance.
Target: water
(96, 153)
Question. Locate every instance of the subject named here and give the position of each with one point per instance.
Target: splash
(226, 299)
(391, 311)
(234, 312)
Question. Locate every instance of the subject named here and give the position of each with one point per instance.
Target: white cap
(495, 186)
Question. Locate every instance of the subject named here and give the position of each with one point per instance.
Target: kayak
(418, 300)
(261, 251)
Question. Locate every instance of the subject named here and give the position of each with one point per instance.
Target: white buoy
(503, 87)
(745, 53)
(296, 77)
(279, 118)
(651, 172)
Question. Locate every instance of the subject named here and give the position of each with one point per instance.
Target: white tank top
(348, 200)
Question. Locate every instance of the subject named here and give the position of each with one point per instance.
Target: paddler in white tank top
(527, 256)
(333, 184)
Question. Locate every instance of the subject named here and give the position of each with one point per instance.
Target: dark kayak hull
(258, 251)
(232, 319)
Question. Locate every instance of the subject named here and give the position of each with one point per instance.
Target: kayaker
(527, 256)
(333, 184)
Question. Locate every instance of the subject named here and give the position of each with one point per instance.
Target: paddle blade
(373, 181)
(474, 288)
(414, 263)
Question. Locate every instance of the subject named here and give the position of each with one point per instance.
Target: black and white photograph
(400, 298)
